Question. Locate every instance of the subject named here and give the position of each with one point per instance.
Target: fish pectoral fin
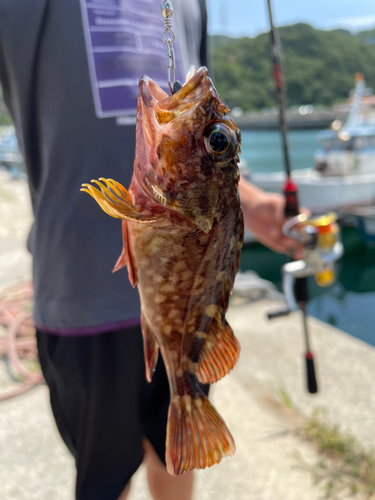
(150, 347)
(126, 257)
(197, 436)
(219, 353)
(114, 199)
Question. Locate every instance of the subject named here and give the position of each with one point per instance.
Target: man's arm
(264, 217)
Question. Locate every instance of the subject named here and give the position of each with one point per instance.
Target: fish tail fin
(197, 436)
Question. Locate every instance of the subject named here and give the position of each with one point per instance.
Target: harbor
(241, 169)
(297, 118)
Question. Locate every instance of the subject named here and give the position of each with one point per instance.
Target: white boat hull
(320, 193)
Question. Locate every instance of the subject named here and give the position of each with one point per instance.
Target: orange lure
(183, 230)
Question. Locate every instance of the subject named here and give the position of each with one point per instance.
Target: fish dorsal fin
(150, 347)
(126, 257)
(219, 353)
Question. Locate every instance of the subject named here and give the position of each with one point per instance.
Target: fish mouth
(194, 92)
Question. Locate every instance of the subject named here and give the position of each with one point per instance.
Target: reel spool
(321, 239)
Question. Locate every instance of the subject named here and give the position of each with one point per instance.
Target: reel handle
(312, 385)
(277, 314)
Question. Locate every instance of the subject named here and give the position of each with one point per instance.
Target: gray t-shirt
(45, 74)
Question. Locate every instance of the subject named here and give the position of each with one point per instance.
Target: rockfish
(182, 233)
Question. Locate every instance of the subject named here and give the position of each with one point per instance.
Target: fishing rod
(291, 196)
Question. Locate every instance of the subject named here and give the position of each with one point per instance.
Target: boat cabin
(346, 151)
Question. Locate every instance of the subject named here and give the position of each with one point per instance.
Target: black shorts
(103, 406)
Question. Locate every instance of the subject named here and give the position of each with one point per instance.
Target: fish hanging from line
(182, 232)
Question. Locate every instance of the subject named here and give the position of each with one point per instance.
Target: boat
(344, 166)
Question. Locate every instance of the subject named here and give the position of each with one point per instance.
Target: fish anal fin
(126, 257)
(197, 436)
(219, 353)
(150, 347)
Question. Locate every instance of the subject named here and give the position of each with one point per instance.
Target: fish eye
(220, 142)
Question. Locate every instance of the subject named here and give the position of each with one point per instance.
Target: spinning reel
(321, 241)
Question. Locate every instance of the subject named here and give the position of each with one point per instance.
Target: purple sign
(124, 42)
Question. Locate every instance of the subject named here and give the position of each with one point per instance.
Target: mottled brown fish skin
(183, 233)
(184, 280)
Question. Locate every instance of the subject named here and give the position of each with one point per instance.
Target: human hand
(264, 217)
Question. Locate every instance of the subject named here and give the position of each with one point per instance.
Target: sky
(249, 17)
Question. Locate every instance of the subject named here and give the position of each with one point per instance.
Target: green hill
(367, 36)
(319, 66)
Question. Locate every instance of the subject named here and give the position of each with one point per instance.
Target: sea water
(262, 150)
